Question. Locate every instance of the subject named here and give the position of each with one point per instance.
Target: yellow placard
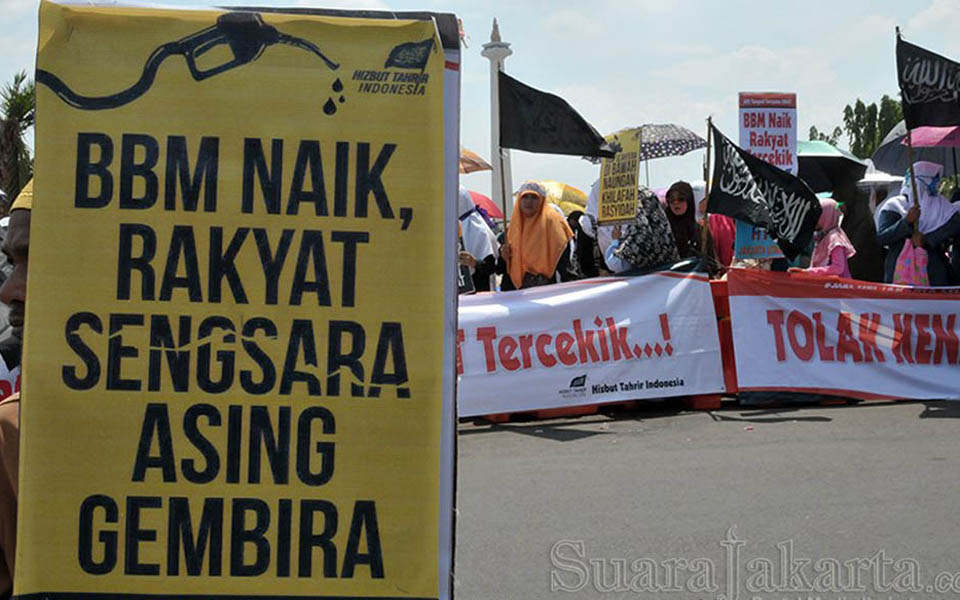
(618, 179)
(233, 370)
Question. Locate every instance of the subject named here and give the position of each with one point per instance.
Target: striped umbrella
(470, 162)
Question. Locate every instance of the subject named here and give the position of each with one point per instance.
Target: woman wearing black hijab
(585, 244)
(682, 215)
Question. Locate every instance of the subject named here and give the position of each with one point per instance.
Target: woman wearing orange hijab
(538, 248)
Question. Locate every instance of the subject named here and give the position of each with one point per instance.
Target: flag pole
(910, 170)
(644, 162)
(706, 191)
(913, 179)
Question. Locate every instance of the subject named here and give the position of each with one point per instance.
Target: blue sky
(628, 62)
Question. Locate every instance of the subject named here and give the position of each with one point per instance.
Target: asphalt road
(714, 504)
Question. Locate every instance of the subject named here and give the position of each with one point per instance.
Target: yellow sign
(618, 179)
(239, 305)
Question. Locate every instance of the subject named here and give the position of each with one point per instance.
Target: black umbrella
(891, 156)
(825, 168)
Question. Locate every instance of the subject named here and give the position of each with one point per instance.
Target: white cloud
(345, 4)
(18, 44)
(750, 66)
(940, 15)
(352, 4)
(14, 9)
(684, 49)
(937, 14)
(573, 22)
(652, 6)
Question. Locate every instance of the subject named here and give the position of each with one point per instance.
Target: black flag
(752, 190)
(929, 85)
(411, 55)
(540, 122)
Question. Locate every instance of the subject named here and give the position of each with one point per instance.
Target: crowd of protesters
(852, 238)
(542, 246)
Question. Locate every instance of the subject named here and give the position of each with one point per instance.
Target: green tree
(818, 136)
(17, 104)
(891, 113)
(867, 125)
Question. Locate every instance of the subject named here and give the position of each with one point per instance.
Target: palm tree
(17, 103)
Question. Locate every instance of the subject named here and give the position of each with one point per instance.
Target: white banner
(587, 342)
(844, 337)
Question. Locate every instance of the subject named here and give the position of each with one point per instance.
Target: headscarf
(24, 199)
(488, 219)
(478, 239)
(585, 247)
(647, 240)
(829, 235)
(538, 242)
(684, 227)
(724, 232)
(857, 223)
(935, 210)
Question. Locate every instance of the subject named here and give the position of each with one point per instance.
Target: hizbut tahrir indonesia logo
(391, 81)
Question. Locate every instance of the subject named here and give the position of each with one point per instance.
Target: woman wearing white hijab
(937, 221)
(480, 244)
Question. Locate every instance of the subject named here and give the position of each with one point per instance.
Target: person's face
(13, 293)
(529, 205)
(677, 204)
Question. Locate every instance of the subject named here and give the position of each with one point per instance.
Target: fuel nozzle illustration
(244, 33)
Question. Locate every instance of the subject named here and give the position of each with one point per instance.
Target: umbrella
(936, 137)
(824, 167)
(470, 162)
(891, 156)
(565, 196)
(486, 204)
(926, 137)
(879, 180)
(874, 181)
(660, 140)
